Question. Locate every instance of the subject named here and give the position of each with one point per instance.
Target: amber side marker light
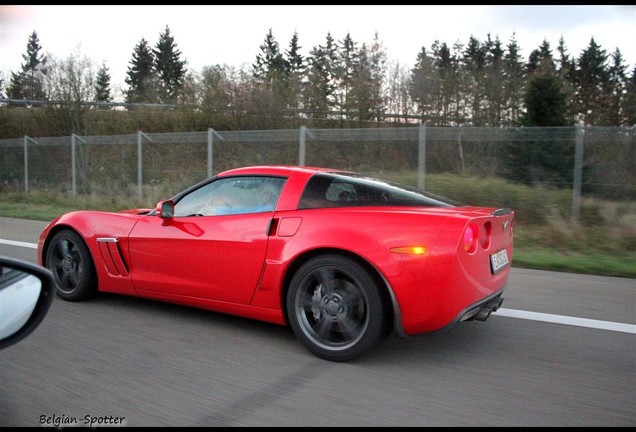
(409, 250)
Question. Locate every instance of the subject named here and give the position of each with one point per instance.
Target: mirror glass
(19, 294)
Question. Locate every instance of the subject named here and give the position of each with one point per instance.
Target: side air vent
(111, 255)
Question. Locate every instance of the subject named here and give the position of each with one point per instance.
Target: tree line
(476, 84)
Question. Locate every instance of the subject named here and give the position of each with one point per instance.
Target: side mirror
(165, 209)
(26, 293)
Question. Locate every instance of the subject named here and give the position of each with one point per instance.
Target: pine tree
(141, 75)
(270, 63)
(493, 90)
(424, 81)
(473, 80)
(593, 85)
(629, 100)
(441, 93)
(28, 83)
(542, 161)
(617, 88)
(271, 72)
(566, 69)
(170, 68)
(319, 92)
(512, 81)
(545, 99)
(539, 56)
(344, 72)
(102, 85)
(377, 75)
(295, 63)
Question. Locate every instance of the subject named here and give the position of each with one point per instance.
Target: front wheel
(70, 261)
(335, 308)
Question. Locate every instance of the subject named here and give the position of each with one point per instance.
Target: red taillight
(470, 238)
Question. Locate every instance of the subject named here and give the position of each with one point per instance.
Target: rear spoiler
(502, 212)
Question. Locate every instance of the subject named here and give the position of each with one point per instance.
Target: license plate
(498, 260)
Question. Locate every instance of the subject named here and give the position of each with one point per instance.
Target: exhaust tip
(488, 308)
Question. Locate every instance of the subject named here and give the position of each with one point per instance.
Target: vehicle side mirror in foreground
(26, 293)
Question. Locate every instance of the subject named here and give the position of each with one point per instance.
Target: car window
(346, 190)
(235, 195)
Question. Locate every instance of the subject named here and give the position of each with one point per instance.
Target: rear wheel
(335, 308)
(70, 261)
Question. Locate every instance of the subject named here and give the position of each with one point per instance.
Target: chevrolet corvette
(342, 258)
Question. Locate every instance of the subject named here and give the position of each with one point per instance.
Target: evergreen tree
(377, 75)
(169, 67)
(566, 69)
(320, 89)
(542, 161)
(493, 90)
(424, 84)
(445, 88)
(295, 61)
(617, 89)
(513, 76)
(102, 85)
(360, 98)
(28, 83)
(629, 100)
(538, 57)
(270, 63)
(271, 72)
(473, 80)
(141, 75)
(344, 72)
(593, 85)
(545, 99)
(295, 72)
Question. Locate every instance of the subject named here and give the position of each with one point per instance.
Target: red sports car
(342, 258)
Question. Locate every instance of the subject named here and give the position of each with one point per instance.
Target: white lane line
(560, 319)
(512, 313)
(19, 243)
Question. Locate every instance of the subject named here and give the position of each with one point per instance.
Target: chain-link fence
(595, 161)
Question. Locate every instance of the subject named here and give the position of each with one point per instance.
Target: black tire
(70, 261)
(335, 308)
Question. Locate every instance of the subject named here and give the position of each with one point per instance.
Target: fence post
(74, 162)
(578, 173)
(73, 165)
(140, 162)
(421, 157)
(26, 164)
(302, 146)
(211, 133)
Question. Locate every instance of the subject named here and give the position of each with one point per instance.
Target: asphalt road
(560, 352)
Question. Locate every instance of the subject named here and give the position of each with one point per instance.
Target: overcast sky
(232, 35)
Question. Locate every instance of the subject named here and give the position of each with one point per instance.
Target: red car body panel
(239, 264)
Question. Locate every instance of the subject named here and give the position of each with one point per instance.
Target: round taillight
(470, 238)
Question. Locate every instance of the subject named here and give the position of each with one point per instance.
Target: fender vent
(111, 256)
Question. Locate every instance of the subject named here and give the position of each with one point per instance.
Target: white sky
(232, 35)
